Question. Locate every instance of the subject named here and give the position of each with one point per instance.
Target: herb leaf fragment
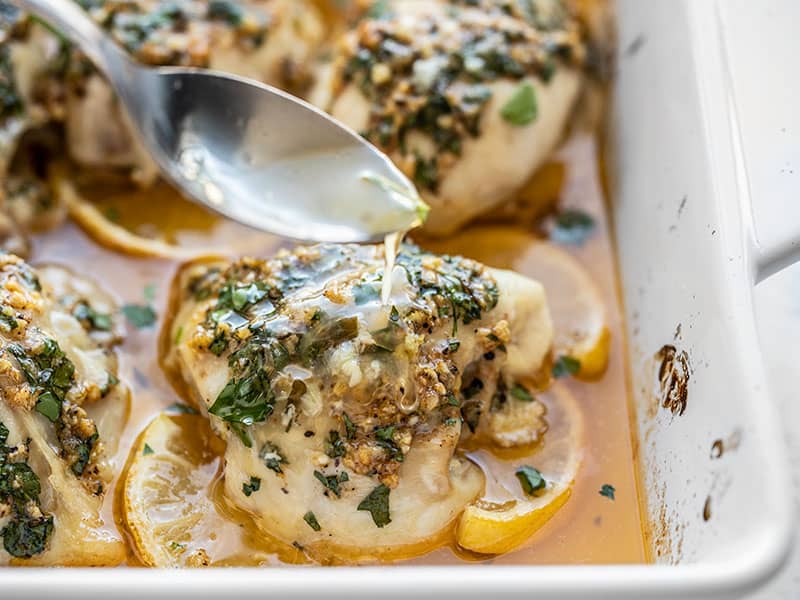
(28, 529)
(331, 482)
(520, 392)
(566, 366)
(572, 226)
(377, 504)
(272, 457)
(608, 491)
(521, 108)
(140, 316)
(311, 519)
(530, 479)
(253, 486)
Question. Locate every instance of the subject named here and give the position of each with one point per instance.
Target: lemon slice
(167, 499)
(576, 304)
(506, 516)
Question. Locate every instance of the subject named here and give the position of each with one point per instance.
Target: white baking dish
(688, 257)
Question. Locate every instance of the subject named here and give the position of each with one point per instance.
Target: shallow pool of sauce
(590, 528)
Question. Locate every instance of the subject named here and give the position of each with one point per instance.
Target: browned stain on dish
(674, 373)
(717, 449)
(666, 530)
(707, 509)
(721, 446)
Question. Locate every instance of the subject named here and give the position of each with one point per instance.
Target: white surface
(763, 47)
(778, 316)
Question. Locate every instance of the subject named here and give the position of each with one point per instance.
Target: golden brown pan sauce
(590, 528)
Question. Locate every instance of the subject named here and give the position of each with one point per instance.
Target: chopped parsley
(334, 445)
(426, 172)
(140, 316)
(49, 373)
(349, 427)
(226, 10)
(147, 450)
(608, 491)
(566, 366)
(149, 292)
(331, 482)
(248, 397)
(253, 486)
(384, 436)
(530, 479)
(572, 226)
(111, 381)
(311, 519)
(7, 319)
(326, 334)
(10, 100)
(377, 504)
(88, 316)
(389, 337)
(28, 529)
(365, 292)
(521, 108)
(112, 214)
(49, 406)
(521, 393)
(379, 9)
(461, 290)
(272, 457)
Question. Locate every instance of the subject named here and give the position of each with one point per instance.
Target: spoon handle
(75, 24)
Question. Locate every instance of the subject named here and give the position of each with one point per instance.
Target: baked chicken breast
(468, 98)
(62, 410)
(344, 415)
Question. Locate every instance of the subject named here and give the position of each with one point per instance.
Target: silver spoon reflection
(246, 150)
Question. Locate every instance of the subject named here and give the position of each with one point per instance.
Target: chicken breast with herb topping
(343, 415)
(62, 410)
(468, 100)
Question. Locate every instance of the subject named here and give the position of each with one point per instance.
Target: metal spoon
(247, 150)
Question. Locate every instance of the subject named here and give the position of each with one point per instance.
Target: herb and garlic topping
(170, 32)
(24, 526)
(333, 403)
(51, 371)
(263, 321)
(545, 15)
(429, 71)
